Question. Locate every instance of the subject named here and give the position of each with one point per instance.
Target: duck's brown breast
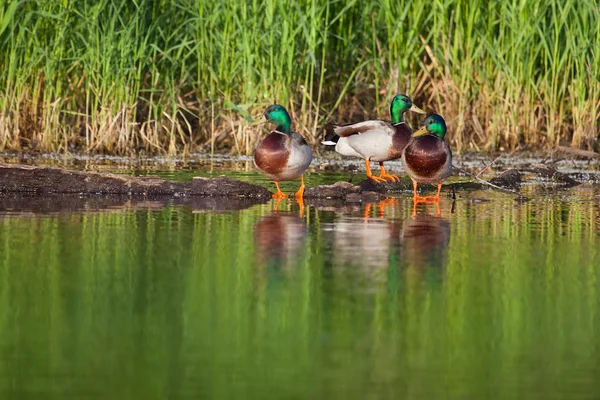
(272, 153)
(399, 140)
(425, 155)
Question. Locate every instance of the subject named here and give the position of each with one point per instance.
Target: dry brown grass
(176, 77)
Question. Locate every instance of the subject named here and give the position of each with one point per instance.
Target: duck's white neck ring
(398, 123)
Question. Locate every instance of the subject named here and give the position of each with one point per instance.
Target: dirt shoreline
(18, 178)
(31, 182)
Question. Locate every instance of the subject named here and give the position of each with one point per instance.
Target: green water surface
(490, 300)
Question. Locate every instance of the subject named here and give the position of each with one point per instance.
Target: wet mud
(50, 180)
(38, 188)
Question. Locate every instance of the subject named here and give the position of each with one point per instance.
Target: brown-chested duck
(283, 155)
(427, 157)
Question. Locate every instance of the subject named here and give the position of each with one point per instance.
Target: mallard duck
(282, 155)
(427, 157)
(377, 140)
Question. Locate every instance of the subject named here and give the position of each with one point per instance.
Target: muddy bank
(345, 191)
(370, 191)
(509, 181)
(41, 180)
(50, 180)
(34, 181)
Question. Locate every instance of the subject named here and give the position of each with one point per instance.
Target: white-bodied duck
(377, 140)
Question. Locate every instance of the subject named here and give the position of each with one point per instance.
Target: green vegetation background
(174, 76)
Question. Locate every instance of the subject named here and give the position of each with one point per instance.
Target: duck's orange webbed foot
(392, 178)
(371, 176)
(425, 199)
(279, 194)
(377, 179)
(433, 199)
(385, 175)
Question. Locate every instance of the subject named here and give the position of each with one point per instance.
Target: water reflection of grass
(166, 303)
(168, 77)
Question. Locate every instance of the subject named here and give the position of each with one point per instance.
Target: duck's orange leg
(439, 191)
(300, 197)
(279, 194)
(370, 175)
(385, 175)
(300, 192)
(416, 197)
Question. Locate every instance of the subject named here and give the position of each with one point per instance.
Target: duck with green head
(427, 157)
(283, 155)
(377, 140)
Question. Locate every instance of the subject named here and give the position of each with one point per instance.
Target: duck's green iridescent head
(401, 103)
(279, 116)
(434, 124)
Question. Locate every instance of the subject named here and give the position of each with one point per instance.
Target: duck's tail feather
(330, 139)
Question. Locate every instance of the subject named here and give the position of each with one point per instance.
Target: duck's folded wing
(373, 144)
(361, 127)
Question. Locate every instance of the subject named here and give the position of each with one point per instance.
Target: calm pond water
(491, 299)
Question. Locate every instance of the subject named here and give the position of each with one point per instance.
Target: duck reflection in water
(365, 242)
(279, 238)
(377, 242)
(425, 239)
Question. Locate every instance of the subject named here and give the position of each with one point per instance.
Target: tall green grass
(176, 76)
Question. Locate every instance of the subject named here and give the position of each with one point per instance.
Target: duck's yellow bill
(417, 109)
(420, 132)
